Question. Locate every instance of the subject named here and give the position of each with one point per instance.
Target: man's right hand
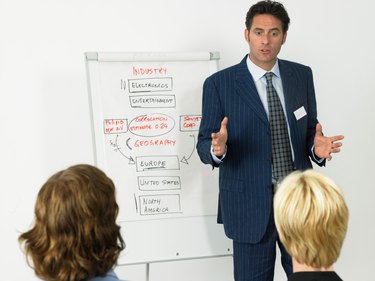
(219, 139)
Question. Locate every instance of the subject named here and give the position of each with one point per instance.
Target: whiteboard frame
(172, 238)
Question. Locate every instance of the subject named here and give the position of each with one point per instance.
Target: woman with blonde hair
(311, 217)
(75, 236)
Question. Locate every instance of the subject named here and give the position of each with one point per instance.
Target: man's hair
(311, 217)
(273, 8)
(75, 235)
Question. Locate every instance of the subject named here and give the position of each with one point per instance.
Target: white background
(44, 111)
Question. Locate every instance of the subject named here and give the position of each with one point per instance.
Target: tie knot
(268, 76)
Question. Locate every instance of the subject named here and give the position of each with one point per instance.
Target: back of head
(311, 217)
(75, 235)
(273, 8)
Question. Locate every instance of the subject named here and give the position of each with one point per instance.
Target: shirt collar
(258, 72)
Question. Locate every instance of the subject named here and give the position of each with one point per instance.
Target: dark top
(314, 276)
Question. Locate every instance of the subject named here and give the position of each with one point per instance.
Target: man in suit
(235, 135)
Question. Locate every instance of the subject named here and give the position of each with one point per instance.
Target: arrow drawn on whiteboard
(117, 148)
(123, 85)
(127, 143)
(185, 159)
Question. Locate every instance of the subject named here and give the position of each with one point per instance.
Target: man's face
(265, 38)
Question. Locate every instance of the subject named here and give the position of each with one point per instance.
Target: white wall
(44, 113)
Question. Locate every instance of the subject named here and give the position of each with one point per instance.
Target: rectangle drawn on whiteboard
(190, 123)
(158, 183)
(150, 85)
(149, 163)
(160, 204)
(159, 101)
(115, 126)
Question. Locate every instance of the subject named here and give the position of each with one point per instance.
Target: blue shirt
(110, 276)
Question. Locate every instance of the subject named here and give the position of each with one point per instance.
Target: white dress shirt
(261, 84)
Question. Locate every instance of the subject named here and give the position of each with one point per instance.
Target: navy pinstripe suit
(245, 175)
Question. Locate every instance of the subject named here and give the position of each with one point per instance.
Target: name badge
(300, 112)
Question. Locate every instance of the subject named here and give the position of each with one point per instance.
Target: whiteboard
(146, 112)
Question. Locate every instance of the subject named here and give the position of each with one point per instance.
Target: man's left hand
(324, 146)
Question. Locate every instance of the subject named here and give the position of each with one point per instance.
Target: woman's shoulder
(110, 276)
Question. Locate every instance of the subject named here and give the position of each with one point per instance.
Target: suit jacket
(245, 175)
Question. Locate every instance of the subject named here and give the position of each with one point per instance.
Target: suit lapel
(289, 86)
(247, 91)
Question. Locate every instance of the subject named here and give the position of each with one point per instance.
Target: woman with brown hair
(75, 236)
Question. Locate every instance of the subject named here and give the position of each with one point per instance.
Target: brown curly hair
(75, 236)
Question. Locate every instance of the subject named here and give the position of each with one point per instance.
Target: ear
(246, 33)
(284, 37)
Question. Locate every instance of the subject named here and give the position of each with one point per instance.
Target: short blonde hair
(311, 217)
